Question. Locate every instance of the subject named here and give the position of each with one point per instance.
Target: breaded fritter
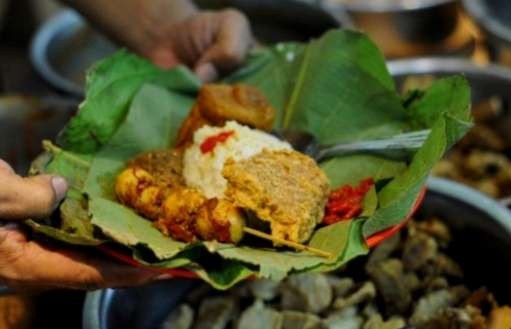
(218, 103)
(285, 188)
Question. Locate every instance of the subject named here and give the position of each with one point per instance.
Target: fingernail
(60, 186)
(4, 166)
(206, 72)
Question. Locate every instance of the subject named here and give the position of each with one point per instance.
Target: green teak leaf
(152, 123)
(111, 85)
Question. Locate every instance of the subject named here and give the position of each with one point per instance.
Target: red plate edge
(371, 241)
(381, 236)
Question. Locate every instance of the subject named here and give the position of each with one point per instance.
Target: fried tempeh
(218, 103)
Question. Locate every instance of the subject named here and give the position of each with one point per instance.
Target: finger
(202, 32)
(29, 264)
(206, 72)
(183, 44)
(72, 269)
(164, 57)
(5, 167)
(31, 197)
(232, 42)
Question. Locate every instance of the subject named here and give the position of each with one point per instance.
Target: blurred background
(45, 50)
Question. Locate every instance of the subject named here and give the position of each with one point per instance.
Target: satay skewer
(287, 243)
(54, 149)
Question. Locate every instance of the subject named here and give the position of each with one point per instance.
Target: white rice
(204, 171)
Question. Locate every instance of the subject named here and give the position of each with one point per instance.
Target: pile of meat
(482, 159)
(407, 282)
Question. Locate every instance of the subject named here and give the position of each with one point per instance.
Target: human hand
(27, 265)
(209, 42)
(171, 32)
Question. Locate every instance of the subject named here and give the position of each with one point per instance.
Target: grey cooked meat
(215, 313)
(285, 188)
(264, 289)
(180, 318)
(258, 316)
(429, 306)
(365, 293)
(306, 292)
(418, 251)
(430, 297)
(389, 279)
(300, 320)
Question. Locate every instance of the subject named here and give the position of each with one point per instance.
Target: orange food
(218, 103)
(346, 202)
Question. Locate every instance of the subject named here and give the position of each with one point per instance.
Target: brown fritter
(218, 103)
(165, 166)
(285, 188)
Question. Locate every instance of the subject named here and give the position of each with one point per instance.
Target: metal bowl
(65, 47)
(494, 16)
(402, 28)
(481, 228)
(485, 81)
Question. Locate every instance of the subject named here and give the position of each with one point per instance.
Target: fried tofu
(285, 188)
(218, 103)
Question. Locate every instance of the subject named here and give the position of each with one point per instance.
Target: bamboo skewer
(52, 148)
(294, 245)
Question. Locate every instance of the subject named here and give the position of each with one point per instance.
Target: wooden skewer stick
(287, 243)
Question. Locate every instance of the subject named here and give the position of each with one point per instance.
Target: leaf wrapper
(336, 87)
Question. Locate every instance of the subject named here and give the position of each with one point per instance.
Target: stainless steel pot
(494, 16)
(402, 28)
(481, 228)
(65, 47)
(485, 81)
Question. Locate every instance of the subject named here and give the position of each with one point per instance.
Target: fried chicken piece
(220, 220)
(178, 213)
(218, 103)
(285, 188)
(187, 215)
(147, 179)
(137, 188)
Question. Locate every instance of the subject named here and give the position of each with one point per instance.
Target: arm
(171, 32)
(135, 24)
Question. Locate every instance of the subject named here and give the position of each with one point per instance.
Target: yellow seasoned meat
(220, 220)
(137, 189)
(179, 210)
(285, 188)
(186, 215)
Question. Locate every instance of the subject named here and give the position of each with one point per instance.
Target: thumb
(31, 197)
